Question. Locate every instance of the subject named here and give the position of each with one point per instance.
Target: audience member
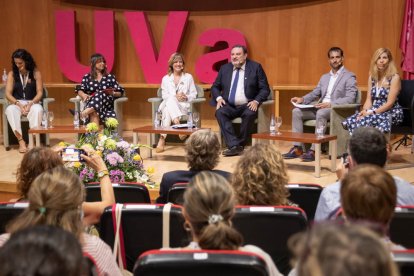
(368, 193)
(239, 89)
(202, 154)
(208, 209)
(381, 108)
(367, 145)
(24, 90)
(42, 251)
(39, 160)
(260, 177)
(339, 86)
(55, 198)
(98, 90)
(331, 249)
(178, 89)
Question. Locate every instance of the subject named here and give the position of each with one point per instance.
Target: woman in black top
(24, 90)
(98, 91)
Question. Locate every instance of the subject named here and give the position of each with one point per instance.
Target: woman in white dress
(178, 90)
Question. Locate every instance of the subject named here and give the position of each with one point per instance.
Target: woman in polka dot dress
(381, 109)
(98, 90)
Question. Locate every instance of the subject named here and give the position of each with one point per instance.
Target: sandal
(160, 146)
(22, 149)
(182, 137)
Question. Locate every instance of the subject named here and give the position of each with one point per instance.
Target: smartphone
(72, 155)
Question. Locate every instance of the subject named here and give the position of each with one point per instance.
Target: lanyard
(24, 83)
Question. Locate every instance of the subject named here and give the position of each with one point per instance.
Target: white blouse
(186, 85)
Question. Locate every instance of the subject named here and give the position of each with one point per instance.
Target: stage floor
(173, 159)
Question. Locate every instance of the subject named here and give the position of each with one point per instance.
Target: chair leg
(403, 141)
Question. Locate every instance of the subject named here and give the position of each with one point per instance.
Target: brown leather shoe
(294, 152)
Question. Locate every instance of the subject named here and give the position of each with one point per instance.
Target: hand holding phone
(72, 155)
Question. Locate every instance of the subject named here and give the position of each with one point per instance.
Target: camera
(72, 155)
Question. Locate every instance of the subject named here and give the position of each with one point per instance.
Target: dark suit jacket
(256, 86)
(180, 176)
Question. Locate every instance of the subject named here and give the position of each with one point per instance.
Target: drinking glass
(84, 119)
(44, 119)
(196, 118)
(320, 127)
(278, 124)
(51, 116)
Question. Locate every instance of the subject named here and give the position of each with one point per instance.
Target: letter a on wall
(66, 42)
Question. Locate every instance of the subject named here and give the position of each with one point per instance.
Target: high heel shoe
(159, 149)
(160, 146)
(22, 148)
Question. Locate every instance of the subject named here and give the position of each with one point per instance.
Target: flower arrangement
(122, 159)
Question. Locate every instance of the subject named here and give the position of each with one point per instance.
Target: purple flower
(117, 176)
(123, 145)
(114, 158)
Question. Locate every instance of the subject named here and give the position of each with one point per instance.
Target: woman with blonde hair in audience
(208, 209)
(332, 249)
(41, 159)
(260, 177)
(55, 198)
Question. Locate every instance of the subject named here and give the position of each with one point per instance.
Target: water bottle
(190, 120)
(4, 77)
(272, 127)
(76, 120)
(156, 120)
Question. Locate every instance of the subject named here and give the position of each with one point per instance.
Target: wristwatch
(102, 173)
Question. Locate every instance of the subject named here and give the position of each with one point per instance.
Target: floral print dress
(101, 102)
(380, 121)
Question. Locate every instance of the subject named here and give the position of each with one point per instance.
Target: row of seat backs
(142, 227)
(202, 263)
(306, 195)
(221, 262)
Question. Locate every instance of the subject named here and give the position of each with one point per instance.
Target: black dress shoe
(233, 151)
(72, 112)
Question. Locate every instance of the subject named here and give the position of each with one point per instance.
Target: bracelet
(16, 102)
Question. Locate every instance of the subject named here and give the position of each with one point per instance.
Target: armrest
(345, 106)
(198, 100)
(155, 100)
(48, 100)
(75, 100)
(267, 102)
(121, 100)
(4, 102)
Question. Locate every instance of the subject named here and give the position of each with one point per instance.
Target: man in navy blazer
(240, 87)
(339, 86)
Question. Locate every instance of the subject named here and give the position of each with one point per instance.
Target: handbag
(119, 253)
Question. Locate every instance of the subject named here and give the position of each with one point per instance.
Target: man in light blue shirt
(366, 146)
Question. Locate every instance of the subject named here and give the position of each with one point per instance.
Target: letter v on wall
(152, 62)
(66, 44)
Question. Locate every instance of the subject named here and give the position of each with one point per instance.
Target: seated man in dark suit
(202, 154)
(240, 87)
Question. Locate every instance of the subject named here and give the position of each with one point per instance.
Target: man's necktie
(232, 96)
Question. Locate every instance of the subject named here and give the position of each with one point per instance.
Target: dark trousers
(224, 117)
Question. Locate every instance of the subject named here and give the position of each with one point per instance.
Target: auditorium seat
(270, 228)
(142, 229)
(8, 211)
(126, 192)
(176, 193)
(405, 261)
(306, 195)
(200, 262)
(402, 226)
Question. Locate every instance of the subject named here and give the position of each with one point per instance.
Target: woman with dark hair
(178, 89)
(44, 251)
(208, 209)
(24, 90)
(56, 198)
(98, 91)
